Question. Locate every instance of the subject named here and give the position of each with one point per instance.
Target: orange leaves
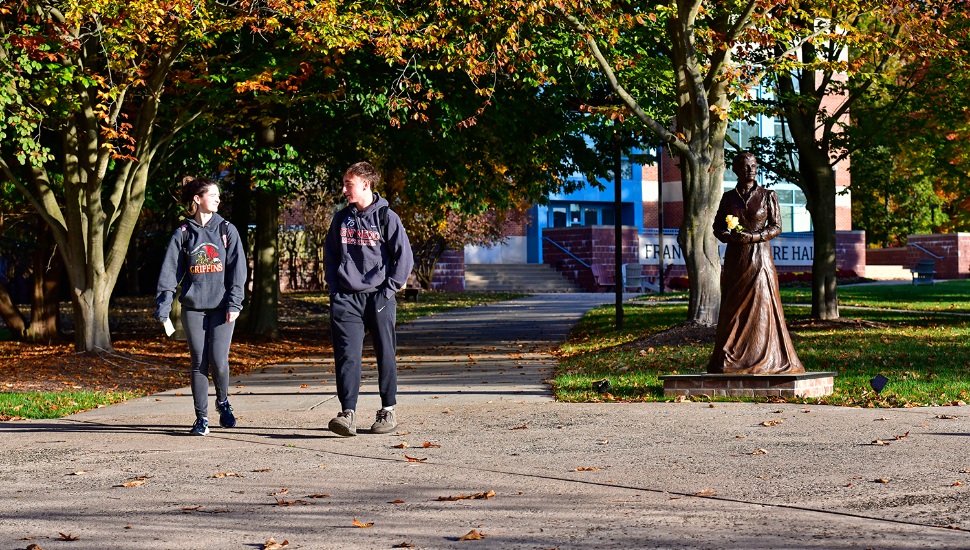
(135, 482)
(271, 544)
(360, 525)
(283, 502)
(485, 495)
(473, 535)
(415, 459)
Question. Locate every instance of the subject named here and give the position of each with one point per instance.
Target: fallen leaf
(304, 385)
(271, 544)
(946, 417)
(396, 501)
(957, 484)
(192, 508)
(604, 442)
(880, 480)
(135, 482)
(522, 427)
(415, 459)
(428, 445)
(403, 545)
(68, 536)
(221, 475)
(483, 495)
(262, 470)
(78, 473)
(770, 423)
(363, 525)
(34, 547)
(473, 535)
(402, 445)
(587, 469)
(879, 442)
(904, 436)
(282, 502)
(705, 493)
(759, 452)
(318, 495)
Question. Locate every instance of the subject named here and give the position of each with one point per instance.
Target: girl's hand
(231, 316)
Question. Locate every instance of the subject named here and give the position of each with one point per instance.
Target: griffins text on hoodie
(360, 258)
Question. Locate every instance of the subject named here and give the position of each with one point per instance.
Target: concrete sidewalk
(476, 417)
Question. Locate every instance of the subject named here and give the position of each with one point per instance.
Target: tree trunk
(702, 191)
(91, 329)
(12, 315)
(263, 319)
(821, 205)
(45, 302)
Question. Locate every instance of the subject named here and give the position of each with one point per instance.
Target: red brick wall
(954, 247)
(850, 251)
(887, 256)
(673, 214)
(843, 218)
(449, 272)
(593, 245)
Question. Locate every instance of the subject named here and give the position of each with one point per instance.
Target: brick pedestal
(808, 384)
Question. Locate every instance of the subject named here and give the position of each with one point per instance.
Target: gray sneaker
(386, 421)
(345, 423)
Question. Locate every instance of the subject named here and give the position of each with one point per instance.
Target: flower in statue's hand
(733, 223)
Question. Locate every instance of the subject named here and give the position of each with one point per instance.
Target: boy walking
(368, 260)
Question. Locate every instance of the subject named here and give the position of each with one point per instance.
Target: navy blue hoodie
(210, 268)
(359, 258)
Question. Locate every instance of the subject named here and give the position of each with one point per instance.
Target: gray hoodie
(210, 264)
(360, 258)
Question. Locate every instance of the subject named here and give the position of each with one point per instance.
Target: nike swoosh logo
(381, 309)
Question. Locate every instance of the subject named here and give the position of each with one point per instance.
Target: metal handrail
(925, 250)
(561, 247)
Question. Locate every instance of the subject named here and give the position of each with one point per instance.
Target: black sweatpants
(350, 315)
(209, 336)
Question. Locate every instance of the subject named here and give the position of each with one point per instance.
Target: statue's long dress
(751, 334)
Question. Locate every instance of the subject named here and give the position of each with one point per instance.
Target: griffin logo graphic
(206, 260)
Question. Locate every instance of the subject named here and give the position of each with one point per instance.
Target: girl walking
(207, 258)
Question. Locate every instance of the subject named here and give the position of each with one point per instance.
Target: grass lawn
(145, 361)
(916, 336)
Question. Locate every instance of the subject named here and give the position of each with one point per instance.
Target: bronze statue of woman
(751, 334)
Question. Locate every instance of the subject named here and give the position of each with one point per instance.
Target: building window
(559, 216)
(565, 214)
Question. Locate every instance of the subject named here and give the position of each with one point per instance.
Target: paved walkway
(477, 418)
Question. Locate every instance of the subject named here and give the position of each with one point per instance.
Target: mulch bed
(144, 360)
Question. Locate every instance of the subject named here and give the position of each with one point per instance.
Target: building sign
(786, 250)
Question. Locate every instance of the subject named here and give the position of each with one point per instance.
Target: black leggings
(209, 336)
